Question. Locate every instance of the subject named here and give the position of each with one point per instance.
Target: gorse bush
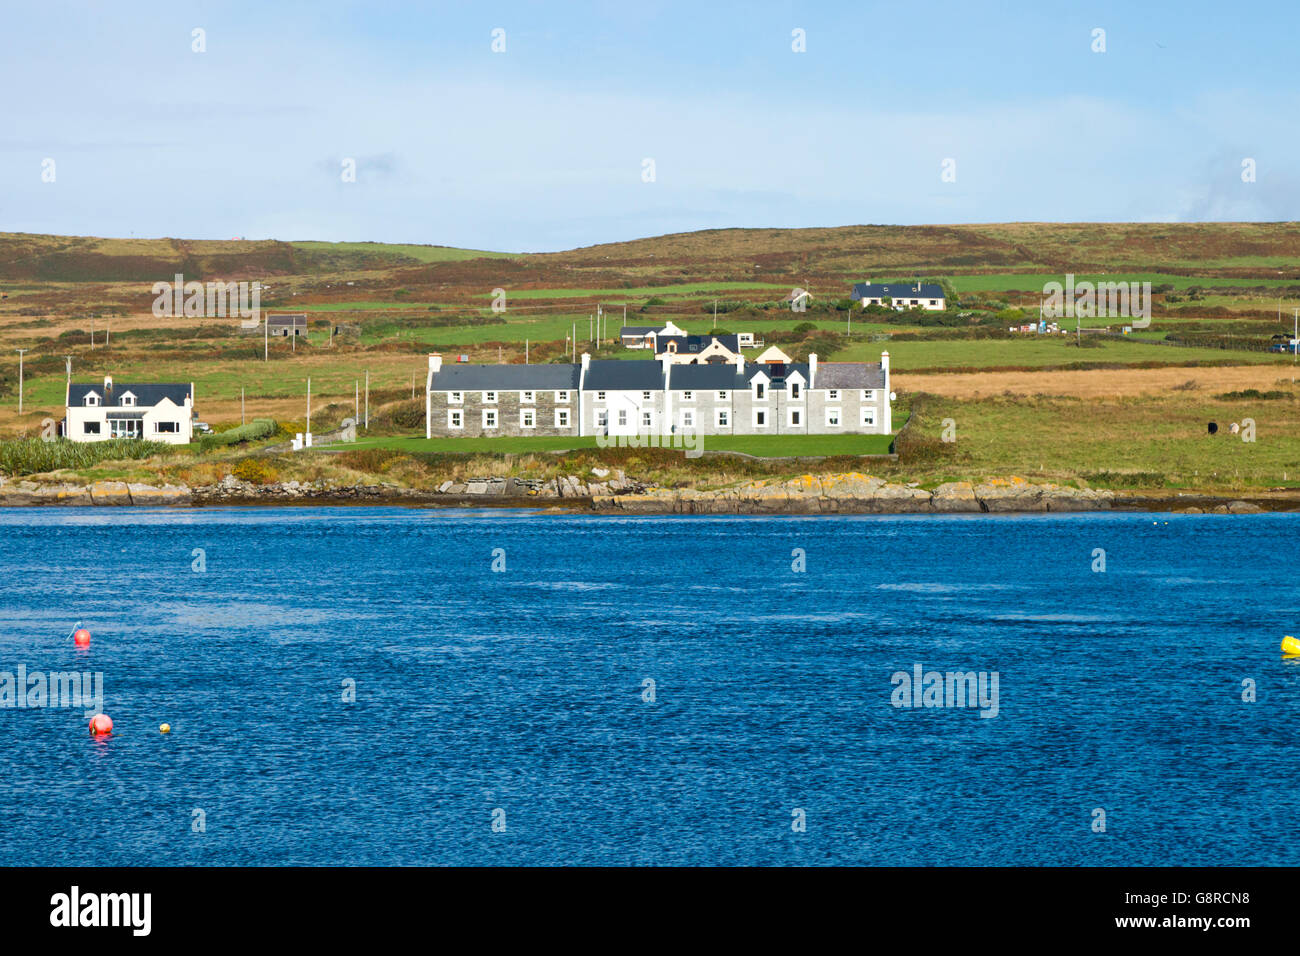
(255, 470)
(30, 456)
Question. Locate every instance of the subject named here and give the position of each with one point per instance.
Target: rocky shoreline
(609, 492)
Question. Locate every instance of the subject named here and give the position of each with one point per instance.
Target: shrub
(371, 460)
(257, 428)
(255, 470)
(29, 456)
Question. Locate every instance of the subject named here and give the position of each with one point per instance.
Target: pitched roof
(146, 396)
(505, 378)
(849, 375)
(706, 378)
(687, 344)
(298, 318)
(777, 372)
(638, 330)
(897, 290)
(624, 375)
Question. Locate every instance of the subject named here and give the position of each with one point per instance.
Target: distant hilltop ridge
(1240, 250)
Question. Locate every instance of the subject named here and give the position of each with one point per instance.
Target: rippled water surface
(523, 689)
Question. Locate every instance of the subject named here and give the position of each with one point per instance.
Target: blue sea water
(523, 690)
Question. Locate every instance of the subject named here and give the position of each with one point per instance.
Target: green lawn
(1000, 282)
(766, 446)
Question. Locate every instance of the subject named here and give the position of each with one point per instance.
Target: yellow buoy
(165, 728)
(1290, 645)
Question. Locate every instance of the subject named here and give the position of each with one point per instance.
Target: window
(456, 398)
(622, 416)
(562, 396)
(647, 419)
(645, 396)
(760, 418)
(833, 394)
(723, 418)
(91, 399)
(934, 301)
(833, 417)
(795, 416)
(489, 418)
(869, 417)
(125, 428)
(90, 428)
(490, 397)
(528, 418)
(794, 391)
(602, 419)
(455, 418)
(688, 396)
(167, 428)
(722, 395)
(760, 391)
(600, 396)
(127, 399)
(688, 418)
(868, 394)
(561, 418)
(526, 398)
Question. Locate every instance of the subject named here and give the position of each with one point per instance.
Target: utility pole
(266, 338)
(307, 435)
(241, 404)
(356, 402)
(575, 340)
(525, 355)
(715, 314)
(367, 426)
(92, 333)
(20, 378)
(67, 361)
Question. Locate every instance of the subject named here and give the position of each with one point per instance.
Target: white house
(917, 295)
(162, 413)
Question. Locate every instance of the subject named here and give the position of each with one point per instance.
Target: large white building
(162, 412)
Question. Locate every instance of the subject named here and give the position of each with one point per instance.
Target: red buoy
(101, 724)
(81, 637)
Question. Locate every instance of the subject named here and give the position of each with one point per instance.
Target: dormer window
(128, 398)
(760, 391)
(794, 391)
(91, 399)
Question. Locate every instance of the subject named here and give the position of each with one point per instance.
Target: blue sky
(542, 147)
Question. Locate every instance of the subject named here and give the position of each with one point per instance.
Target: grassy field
(763, 446)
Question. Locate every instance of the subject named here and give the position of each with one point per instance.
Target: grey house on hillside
(636, 397)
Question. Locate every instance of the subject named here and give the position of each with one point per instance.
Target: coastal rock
(110, 493)
(166, 495)
(955, 497)
(1243, 508)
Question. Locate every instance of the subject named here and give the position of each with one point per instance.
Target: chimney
(586, 361)
(812, 369)
(435, 362)
(884, 367)
(740, 362)
(108, 383)
(666, 361)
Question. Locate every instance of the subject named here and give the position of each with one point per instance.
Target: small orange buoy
(81, 637)
(101, 724)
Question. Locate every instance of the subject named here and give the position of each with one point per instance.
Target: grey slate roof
(903, 290)
(849, 375)
(686, 344)
(506, 378)
(631, 330)
(146, 396)
(625, 375)
(706, 378)
(285, 319)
